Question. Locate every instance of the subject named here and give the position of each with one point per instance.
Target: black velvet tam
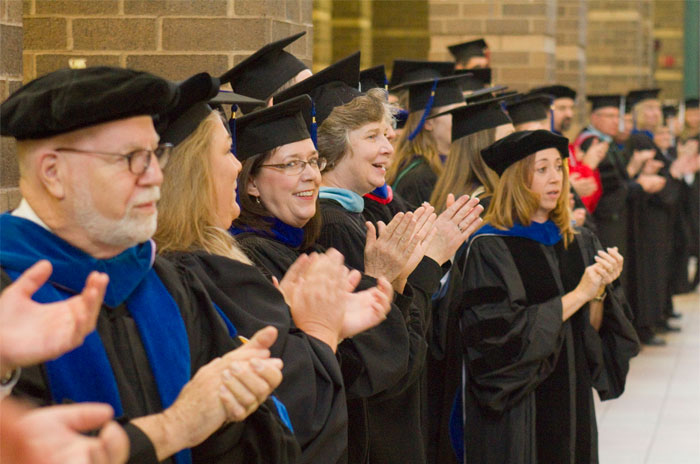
(71, 99)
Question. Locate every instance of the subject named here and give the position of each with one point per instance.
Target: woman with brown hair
(196, 208)
(353, 136)
(474, 127)
(544, 322)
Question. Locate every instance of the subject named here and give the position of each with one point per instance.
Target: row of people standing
(312, 177)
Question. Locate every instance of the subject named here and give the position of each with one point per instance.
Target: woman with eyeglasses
(312, 305)
(545, 321)
(279, 221)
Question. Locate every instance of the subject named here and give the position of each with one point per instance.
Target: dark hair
(254, 215)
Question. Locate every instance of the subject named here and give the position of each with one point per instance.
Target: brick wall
(382, 30)
(520, 34)
(174, 38)
(619, 54)
(668, 33)
(571, 54)
(10, 80)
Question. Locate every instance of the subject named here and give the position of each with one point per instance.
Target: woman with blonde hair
(544, 321)
(422, 147)
(197, 206)
(474, 127)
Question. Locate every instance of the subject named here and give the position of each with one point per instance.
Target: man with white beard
(161, 355)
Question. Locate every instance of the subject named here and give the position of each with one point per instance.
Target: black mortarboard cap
(527, 108)
(604, 101)
(488, 93)
(419, 70)
(464, 51)
(636, 96)
(193, 107)
(480, 78)
(519, 145)
(261, 74)
(669, 111)
(556, 91)
(272, 127)
(474, 118)
(691, 102)
(333, 86)
(373, 78)
(71, 99)
(447, 92)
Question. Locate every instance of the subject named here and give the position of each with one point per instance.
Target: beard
(130, 230)
(565, 124)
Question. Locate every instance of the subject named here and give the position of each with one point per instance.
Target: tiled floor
(657, 419)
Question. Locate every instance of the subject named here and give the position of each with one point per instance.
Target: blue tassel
(314, 126)
(386, 84)
(232, 127)
(426, 112)
(551, 118)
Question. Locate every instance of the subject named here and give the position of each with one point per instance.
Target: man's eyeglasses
(296, 167)
(138, 160)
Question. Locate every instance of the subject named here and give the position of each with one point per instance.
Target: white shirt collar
(26, 212)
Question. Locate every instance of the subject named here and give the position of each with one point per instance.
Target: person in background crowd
(423, 145)
(470, 55)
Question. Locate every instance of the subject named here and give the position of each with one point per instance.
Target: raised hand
(422, 235)
(32, 332)
(316, 301)
(212, 398)
(612, 262)
(584, 186)
(366, 309)
(636, 162)
(453, 227)
(652, 167)
(593, 278)
(595, 154)
(54, 435)
(388, 249)
(651, 183)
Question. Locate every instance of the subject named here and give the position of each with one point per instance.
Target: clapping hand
(32, 332)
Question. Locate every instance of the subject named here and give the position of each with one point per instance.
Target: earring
(257, 200)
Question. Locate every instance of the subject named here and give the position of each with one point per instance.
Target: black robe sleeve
(417, 185)
(261, 438)
(609, 350)
(511, 346)
(312, 387)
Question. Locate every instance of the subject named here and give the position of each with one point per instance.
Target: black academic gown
(441, 377)
(312, 388)
(394, 420)
(611, 212)
(416, 183)
(529, 377)
(377, 363)
(650, 245)
(261, 438)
